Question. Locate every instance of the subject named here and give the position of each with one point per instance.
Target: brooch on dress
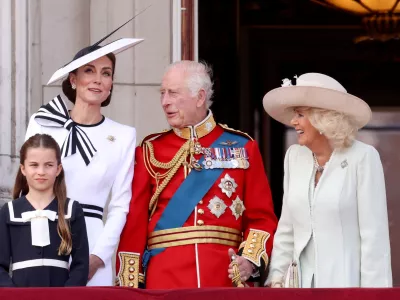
(111, 138)
(344, 164)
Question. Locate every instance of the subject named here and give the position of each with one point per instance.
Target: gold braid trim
(236, 275)
(224, 126)
(153, 136)
(171, 168)
(128, 274)
(255, 247)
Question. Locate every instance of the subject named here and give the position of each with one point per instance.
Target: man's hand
(95, 263)
(245, 267)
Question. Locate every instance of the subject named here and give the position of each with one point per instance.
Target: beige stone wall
(39, 36)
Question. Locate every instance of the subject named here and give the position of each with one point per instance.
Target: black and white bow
(55, 114)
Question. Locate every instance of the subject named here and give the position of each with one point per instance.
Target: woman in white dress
(98, 153)
(333, 230)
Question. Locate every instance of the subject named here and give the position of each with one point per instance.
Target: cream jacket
(348, 219)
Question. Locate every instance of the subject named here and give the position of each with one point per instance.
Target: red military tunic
(196, 255)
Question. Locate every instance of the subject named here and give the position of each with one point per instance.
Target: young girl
(41, 229)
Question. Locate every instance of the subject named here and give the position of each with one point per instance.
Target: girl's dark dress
(35, 266)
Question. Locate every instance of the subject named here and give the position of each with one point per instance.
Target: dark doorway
(253, 44)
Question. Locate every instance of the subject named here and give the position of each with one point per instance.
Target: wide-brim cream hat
(314, 90)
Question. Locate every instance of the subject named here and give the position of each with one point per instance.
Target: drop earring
(73, 86)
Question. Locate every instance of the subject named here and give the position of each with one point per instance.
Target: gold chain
(160, 188)
(170, 164)
(171, 168)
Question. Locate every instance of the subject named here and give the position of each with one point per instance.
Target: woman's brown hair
(21, 187)
(66, 84)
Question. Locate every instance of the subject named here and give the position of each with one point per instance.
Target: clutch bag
(292, 276)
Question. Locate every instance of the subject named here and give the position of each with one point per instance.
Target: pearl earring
(321, 133)
(73, 86)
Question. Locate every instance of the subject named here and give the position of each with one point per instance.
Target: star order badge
(217, 206)
(228, 185)
(237, 207)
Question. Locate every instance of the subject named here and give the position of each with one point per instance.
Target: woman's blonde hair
(338, 127)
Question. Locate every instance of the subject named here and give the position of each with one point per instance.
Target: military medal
(228, 185)
(218, 164)
(208, 163)
(224, 158)
(237, 207)
(235, 163)
(243, 163)
(217, 206)
(195, 165)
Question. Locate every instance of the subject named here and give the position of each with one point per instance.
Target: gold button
(255, 234)
(201, 211)
(131, 262)
(254, 240)
(200, 222)
(201, 202)
(131, 269)
(131, 277)
(250, 251)
(251, 246)
(131, 284)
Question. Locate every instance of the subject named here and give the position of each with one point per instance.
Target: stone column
(151, 58)
(139, 69)
(13, 90)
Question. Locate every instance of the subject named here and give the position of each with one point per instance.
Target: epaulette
(224, 126)
(153, 136)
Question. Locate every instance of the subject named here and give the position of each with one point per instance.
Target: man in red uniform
(200, 200)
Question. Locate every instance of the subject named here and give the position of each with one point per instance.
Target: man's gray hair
(198, 77)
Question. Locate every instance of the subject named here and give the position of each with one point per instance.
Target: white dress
(108, 175)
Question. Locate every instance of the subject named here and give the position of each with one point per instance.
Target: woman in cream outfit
(334, 225)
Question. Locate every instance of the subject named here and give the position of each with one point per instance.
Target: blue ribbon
(190, 192)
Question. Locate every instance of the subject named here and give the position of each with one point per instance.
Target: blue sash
(190, 192)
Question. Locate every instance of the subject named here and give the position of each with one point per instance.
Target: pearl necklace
(316, 164)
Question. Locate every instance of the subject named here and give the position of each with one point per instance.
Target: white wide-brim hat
(113, 47)
(315, 90)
